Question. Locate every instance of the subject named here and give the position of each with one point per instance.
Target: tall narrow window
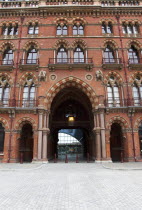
(32, 56)
(2, 135)
(61, 30)
(113, 95)
(109, 55)
(28, 95)
(4, 95)
(78, 30)
(107, 28)
(8, 57)
(137, 95)
(140, 137)
(62, 55)
(133, 55)
(78, 55)
(33, 29)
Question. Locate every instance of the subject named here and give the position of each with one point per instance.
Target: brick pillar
(40, 135)
(103, 141)
(107, 136)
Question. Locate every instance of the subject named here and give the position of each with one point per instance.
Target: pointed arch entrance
(116, 139)
(71, 112)
(26, 143)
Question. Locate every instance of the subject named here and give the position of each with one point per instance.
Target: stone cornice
(69, 11)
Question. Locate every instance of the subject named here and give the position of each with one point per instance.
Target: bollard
(77, 161)
(87, 157)
(21, 157)
(66, 159)
(55, 159)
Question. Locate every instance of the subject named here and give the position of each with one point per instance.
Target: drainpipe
(14, 89)
(126, 79)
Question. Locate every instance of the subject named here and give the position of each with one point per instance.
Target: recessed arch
(71, 82)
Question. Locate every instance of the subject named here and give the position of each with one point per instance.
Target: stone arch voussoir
(19, 124)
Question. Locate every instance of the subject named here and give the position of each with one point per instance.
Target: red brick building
(70, 60)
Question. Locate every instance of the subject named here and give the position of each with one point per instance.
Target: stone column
(45, 136)
(96, 130)
(103, 135)
(40, 135)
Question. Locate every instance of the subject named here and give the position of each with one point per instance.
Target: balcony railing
(19, 103)
(117, 102)
(135, 61)
(112, 61)
(29, 61)
(70, 60)
(6, 62)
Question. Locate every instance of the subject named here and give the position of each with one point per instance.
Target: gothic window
(140, 137)
(78, 30)
(10, 30)
(7, 57)
(130, 28)
(109, 55)
(78, 55)
(32, 56)
(4, 93)
(33, 29)
(113, 95)
(28, 94)
(133, 55)
(107, 28)
(62, 55)
(2, 135)
(61, 30)
(137, 94)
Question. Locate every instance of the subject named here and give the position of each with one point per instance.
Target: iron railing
(117, 102)
(7, 62)
(112, 61)
(70, 61)
(135, 61)
(29, 61)
(18, 103)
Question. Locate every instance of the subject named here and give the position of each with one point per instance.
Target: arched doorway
(26, 143)
(2, 135)
(71, 124)
(140, 137)
(116, 142)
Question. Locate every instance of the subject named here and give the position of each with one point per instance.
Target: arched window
(137, 94)
(2, 135)
(10, 30)
(61, 30)
(62, 55)
(133, 55)
(109, 55)
(33, 29)
(78, 30)
(107, 28)
(113, 95)
(8, 57)
(78, 55)
(32, 56)
(4, 94)
(140, 137)
(28, 95)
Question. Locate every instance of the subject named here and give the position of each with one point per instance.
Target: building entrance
(71, 124)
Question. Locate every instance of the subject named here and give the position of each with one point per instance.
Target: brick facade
(90, 78)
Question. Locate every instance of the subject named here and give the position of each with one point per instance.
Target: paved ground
(70, 186)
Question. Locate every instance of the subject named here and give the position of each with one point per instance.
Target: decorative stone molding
(31, 43)
(111, 43)
(117, 119)
(107, 21)
(61, 21)
(33, 22)
(4, 46)
(10, 22)
(79, 42)
(117, 78)
(71, 82)
(8, 78)
(24, 77)
(60, 42)
(19, 124)
(135, 43)
(137, 123)
(4, 123)
(79, 21)
(42, 75)
(99, 75)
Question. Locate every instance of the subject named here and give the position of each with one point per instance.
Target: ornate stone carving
(99, 75)
(42, 75)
